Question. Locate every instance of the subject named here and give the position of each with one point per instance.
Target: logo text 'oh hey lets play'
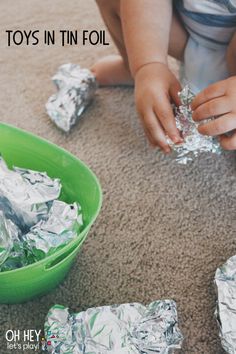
(28, 339)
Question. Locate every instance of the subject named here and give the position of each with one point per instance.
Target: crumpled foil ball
(225, 281)
(76, 89)
(117, 329)
(194, 142)
(46, 237)
(9, 233)
(33, 223)
(25, 195)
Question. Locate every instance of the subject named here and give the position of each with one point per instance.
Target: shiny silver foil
(8, 233)
(25, 195)
(63, 223)
(76, 89)
(33, 223)
(225, 280)
(12, 254)
(194, 142)
(118, 329)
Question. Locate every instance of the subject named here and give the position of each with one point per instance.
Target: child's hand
(155, 86)
(218, 99)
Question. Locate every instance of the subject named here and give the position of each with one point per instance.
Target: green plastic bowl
(25, 150)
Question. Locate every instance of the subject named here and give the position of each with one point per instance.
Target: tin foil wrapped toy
(11, 252)
(194, 143)
(225, 280)
(33, 223)
(48, 235)
(76, 89)
(26, 196)
(118, 329)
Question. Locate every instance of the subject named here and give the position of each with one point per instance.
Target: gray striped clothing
(211, 25)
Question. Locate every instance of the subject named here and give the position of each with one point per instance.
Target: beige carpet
(163, 229)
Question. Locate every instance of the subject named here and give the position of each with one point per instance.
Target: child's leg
(114, 70)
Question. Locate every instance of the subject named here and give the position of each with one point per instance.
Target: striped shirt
(210, 22)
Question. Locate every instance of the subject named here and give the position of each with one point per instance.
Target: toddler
(202, 35)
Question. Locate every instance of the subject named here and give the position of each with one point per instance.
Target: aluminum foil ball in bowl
(49, 200)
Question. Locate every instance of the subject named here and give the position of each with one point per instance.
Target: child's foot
(112, 71)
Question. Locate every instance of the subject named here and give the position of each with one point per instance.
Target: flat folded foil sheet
(225, 281)
(194, 142)
(76, 89)
(118, 329)
(33, 223)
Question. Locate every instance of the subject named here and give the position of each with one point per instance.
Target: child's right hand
(155, 87)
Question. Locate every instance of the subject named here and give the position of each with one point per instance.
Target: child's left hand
(218, 99)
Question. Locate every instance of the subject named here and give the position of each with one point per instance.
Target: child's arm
(231, 56)
(218, 100)
(146, 26)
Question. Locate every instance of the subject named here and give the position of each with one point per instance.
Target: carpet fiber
(163, 229)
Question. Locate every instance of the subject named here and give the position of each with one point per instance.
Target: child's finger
(155, 131)
(214, 107)
(174, 92)
(152, 142)
(213, 91)
(219, 126)
(164, 112)
(228, 142)
(148, 135)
